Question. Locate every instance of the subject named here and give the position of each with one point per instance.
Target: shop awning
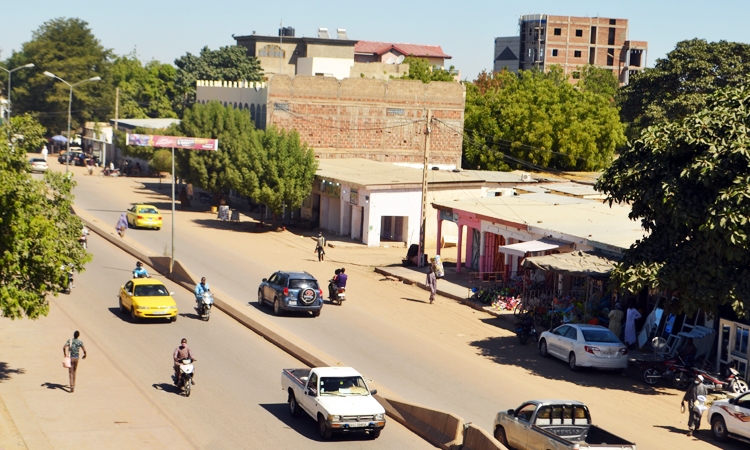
(522, 248)
(578, 263)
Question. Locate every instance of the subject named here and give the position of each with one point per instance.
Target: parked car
(730, 418)
(291, 291)
(38, 165)
(553, 424)
(146, 298)
(336, 397)
(144, 216)
(76, 157)
(585, 346)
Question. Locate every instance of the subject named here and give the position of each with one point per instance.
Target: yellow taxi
(146, 298)
(144, 216)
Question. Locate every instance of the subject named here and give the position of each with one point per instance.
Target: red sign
(189, 143)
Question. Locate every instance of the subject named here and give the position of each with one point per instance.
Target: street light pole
(70, 103)
(10, 72)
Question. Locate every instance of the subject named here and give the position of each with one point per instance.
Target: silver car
(584, 346)
(38, 165)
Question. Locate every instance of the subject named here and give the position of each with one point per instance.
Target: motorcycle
(185, 378)
(730, 382)
(83, 241)
(69, 287)
(204, 305)
(525, 329)
(107, 172)
(652, 371)
(336, 294)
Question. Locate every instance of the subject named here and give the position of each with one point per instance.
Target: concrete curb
(439, 428)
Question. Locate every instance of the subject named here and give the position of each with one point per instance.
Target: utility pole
(281, 48)
(423, 217)
(114, 130)
(171, 260)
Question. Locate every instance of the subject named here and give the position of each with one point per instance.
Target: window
(610, 57)
(611, 37)
(277, 106)
(554, 52)
(592, 55)
(302, 284)
(577, 54)
(525, 412)
(740, 340)
(572, 333)
(312, 384)
(613, 21)
(558, 31)
(272, 51)
(593, 35)
(576, 75)
(579, 33)
(561, 331)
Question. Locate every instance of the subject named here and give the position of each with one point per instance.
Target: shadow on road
(267, 309)
(126, 317)
(56, 386)
(6, 372)
(508, 350)
(703, 435)
(306, 426)
(166, 387)
(190, 316)
(415, 300)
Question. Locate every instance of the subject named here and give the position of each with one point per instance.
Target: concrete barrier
(476, 438)
(439, 428)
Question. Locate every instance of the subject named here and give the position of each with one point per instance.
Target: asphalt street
(444, 356)
(237, 401)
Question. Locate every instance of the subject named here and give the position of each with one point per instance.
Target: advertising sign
(189, 143)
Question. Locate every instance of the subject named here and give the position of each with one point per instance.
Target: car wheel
(323, 429)
(374, 434)
(276, 306)
(133, 317)
(261, 300)
(293, 406)
(719, 428)
(651, 376)
(500, 436)
(543, 348)
(572, 362)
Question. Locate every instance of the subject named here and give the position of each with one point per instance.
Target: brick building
(355, 117)
(571, 43)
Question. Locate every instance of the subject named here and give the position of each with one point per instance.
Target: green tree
(420, 69)
(279, 170)
(688, 182)
(679, 84)
(27, 134)
(598, 81)
(38, 234)
(538, 118)
(145, 90)
(68, 49)
(230, 63)
(216, 171)
(161, 161)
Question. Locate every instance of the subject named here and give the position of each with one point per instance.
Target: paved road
(237, 401)
(444, 355)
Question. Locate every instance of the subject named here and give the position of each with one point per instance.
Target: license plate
(292, 302)
(358, 424)
(158, 313)
(149, 219)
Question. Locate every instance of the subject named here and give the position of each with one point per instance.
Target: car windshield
(343, 386)
(603, 336)
(147, 211)
(151, 290)
(302, 284)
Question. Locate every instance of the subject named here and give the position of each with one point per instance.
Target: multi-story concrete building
(571, 43)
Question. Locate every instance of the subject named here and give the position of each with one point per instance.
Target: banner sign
(189, 143)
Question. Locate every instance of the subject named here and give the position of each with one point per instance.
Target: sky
(165, 30)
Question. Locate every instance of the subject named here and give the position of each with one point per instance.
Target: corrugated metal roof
(420, 51)
(574, 189)
(155, 124)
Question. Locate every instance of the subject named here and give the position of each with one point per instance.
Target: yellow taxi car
(144, 216)
(146, 298)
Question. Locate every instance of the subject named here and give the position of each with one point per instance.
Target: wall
(366, 118)
(378, 70)
(507, 52)
(252, 97)
(331, 67)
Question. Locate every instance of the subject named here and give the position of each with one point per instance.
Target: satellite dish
(400, 59)
(390, 60)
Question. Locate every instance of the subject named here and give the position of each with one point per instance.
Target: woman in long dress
(615, 321)
(122, 225)
(633, 315)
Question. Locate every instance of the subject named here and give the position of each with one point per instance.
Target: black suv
(291, 291)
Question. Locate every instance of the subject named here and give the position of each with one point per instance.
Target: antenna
(400, 59)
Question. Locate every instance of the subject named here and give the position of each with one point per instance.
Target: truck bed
(299, 376)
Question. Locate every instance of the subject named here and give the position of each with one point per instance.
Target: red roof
(420, 51)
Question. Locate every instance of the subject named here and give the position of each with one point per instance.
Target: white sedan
(730, 418)
(38, 165)
(585, 346)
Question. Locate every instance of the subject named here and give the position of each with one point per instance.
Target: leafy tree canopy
(145, 90)
(598, 81)
(230, 63)
(688, 182)
(539, 118)
(679, 84)
(38, 234)
(68, 49)
(420, 69)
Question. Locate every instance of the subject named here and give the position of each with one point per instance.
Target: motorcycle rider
(341, 279)
(180, 353)
(139, 271)
(200, 289)
(332, 285)
(84, 237)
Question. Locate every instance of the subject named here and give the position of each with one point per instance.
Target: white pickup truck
(730, 418)
(553, 425)
(336, 397)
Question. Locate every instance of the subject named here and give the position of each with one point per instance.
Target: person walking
(615, 320)
(632, 316)
(431, 283)
(695, 396)
(320, 247)
(44, 152)
(122, 225)
(72, 349)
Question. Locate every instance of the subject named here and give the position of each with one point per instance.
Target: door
(476, 242)
(362, 225)
(568, 342)
(399, 229)
(126, 299)
(519, 430)
(308, 402)
(268, 289)
(554, 344)
(131, 215)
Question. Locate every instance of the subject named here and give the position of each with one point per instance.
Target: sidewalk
(37, 411)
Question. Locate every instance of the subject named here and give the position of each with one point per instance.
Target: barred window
(273, 51)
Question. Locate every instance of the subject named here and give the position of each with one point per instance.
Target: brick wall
(367, 118)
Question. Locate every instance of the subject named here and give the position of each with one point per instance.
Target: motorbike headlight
(333, 418)
(379, 417)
